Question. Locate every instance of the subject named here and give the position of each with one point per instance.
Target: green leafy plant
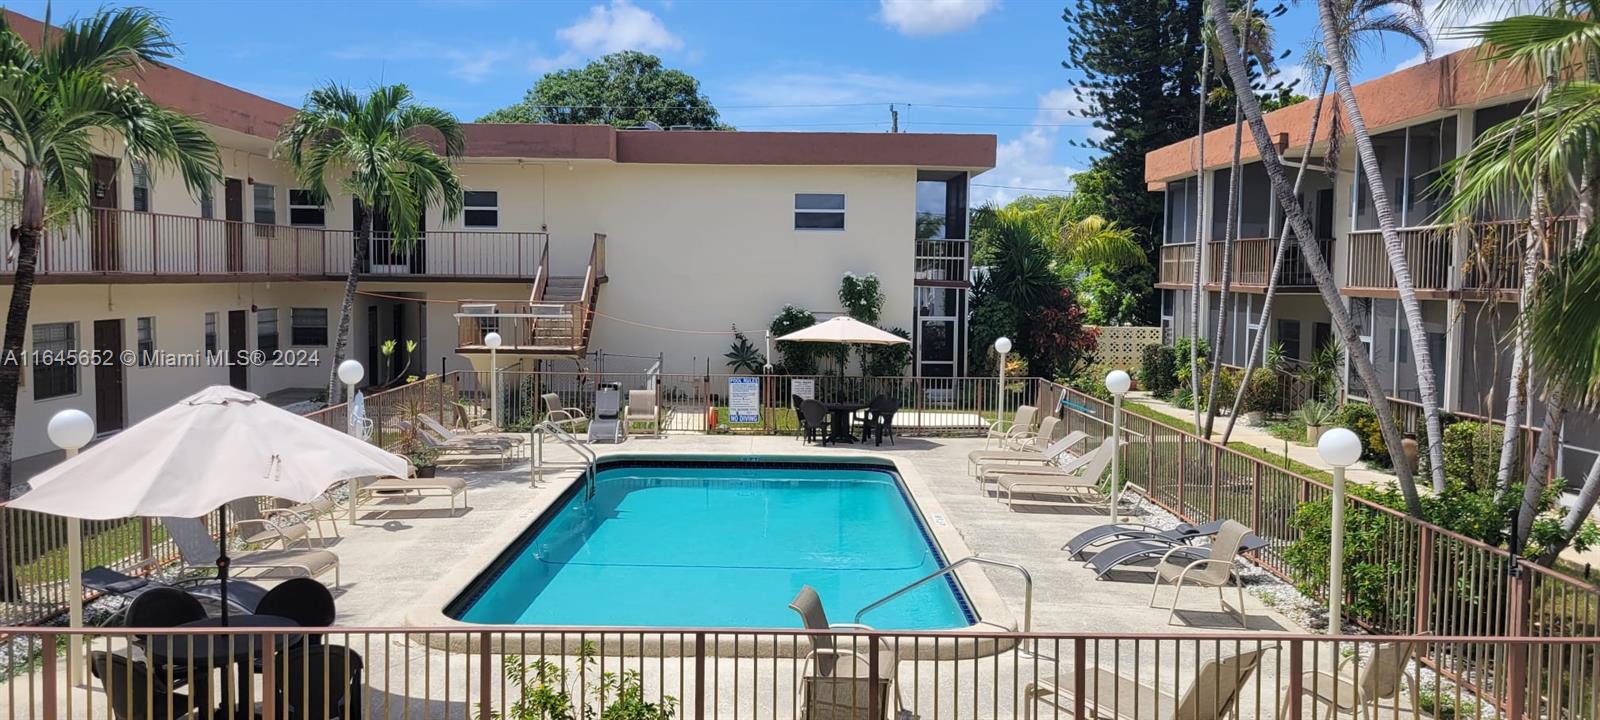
(1262, 391)
(1315, 413)
(1362, 420)
(889, 360)
(797, 358)
(550, 690)
(1322, 373)
(1158, 370)
(743, 355)
(1472, 454)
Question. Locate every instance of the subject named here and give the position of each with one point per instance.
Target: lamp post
(1118, 383)
(350, 373)
(1002, 345)
(1339, 448)
(70, 430)
(492, 340)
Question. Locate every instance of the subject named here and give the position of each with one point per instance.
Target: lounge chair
(1083, 485)
(197, 550)
(1213, 567)
(369, 489)
(440, 431)
(1048, 432)
(243, 596)
(1379, 677)
(478, 448)
(977, 460)
(466, 420)
(1130, 551)
(567, 418)
(1112, 696)
(1021, 423)
(642, 410)
(835, 681)
(256, 526)
(1117, 532)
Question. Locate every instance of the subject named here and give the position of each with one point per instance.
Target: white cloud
(621, 26)
(1029, 159)
(468, 64)
(1445, 21)
(932, 17)
(832, 88)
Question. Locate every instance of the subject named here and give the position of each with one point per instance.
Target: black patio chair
(136, 694)
(321, 682)
(164, 607)
(794, 404)
(880, 419)
(814, 420)
(303, 600)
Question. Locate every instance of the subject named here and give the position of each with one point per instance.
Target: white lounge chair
(1021, 424)
(1109, 695)
(448, 435)
(368, 490)
(1348, 688)
(642, 410)
(197, 550)
(1047, 453)
(1076, 484)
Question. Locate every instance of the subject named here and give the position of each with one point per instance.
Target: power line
(1021, 187)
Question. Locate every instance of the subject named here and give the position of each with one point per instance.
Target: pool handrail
(1027, 587)
(571, 441)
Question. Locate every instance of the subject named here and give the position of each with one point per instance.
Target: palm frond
(110, 41)
(1562, 331)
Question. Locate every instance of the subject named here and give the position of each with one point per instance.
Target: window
(141, 186)
(304, 208)
(482, 208)
(208, 204)
(267, 330)
(53, 374)
(818, 211)
(1289, 338)
(211, 333)
(266, 203)
(308, 326)
(147, 340)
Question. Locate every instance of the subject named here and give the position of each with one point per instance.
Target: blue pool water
(721, 546)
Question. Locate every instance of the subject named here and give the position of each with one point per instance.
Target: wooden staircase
(555, 322)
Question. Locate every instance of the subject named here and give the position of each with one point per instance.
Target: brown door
(109, 388)
(233, 212)
(238, 350)
(104, 250)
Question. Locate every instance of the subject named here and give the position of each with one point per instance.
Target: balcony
(1491, 260)
(942, 263)
(1177, 266)
(1495, 251)
(1252, 264)
(108, 245)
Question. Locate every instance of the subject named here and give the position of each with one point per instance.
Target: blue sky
(982, 66)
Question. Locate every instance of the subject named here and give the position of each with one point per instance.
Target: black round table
(239, 647)
(839, 429)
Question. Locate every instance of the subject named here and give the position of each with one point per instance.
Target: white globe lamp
(70, 430)
(1002, 345)
(1118, 382)
(351, 372)
(1339, 448)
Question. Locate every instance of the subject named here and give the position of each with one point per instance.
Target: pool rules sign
(744, 400)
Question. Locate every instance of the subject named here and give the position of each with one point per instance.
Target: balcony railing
(942, 262)
(1427, 252)
(1253, 258)
(110, 243)
(1495, 251)
(1177, 264)
(1492, 262)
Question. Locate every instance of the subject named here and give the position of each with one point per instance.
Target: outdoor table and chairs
(201, 652)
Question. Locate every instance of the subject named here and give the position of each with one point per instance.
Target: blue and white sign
(744, 399)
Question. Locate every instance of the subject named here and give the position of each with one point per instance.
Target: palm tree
(55, 102)
(379, 149)
(1315, 263)
(1199, 224)
(1336, 19)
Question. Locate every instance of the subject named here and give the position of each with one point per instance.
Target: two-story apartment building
(1467, 277)
(573, 237)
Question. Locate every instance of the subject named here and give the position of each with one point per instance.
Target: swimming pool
(720, 544)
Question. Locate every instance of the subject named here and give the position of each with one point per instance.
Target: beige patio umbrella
(215, 446)
(844, 329)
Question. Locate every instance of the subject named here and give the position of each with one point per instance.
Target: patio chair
(164, 608)
(1083, 485)
(321, 682)
(1110, 695)
(834, 683)
(440, 431)
(370, 489)
(467, 418)
(1214, 567)
(814, 421)
(1021, 422)
(303, 600)
(1127, 552)
(255, 526)
(1349, 688)
(567, 418)
(799, 428)
(242, 595)
(1117, 532)
(1046, 454)
(880, 419)
(642, 410)
(197, 550)
(1049, 430)
(135, 693)
(319, 509)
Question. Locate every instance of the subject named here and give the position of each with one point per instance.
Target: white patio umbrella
(844, 329)
(215, 446)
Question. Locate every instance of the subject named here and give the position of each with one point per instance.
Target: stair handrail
(1027, 587)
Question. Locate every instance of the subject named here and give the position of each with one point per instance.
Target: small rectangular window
(482, 208)
(141, 186)
(304, 208)
(267, 331)
(211, 333)
(54, 373)
(147, 340)
(265, 198)
(819, 211)
(308, 326)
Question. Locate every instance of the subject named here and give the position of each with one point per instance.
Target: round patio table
(240, 648)
(839, 427)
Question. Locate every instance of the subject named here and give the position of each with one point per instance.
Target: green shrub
(1227, 385)
(1362, 420)
(1262, 393)
(1315, 412)
(798, 358)
(1369, 579)
(1472, 454)
(1158, 370)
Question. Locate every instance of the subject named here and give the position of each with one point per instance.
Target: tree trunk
(358, 259)
(1230, 228)
(1404, 286)
(1315, 263)
(28, 236)
(1195, 334)
(1277, 267)
(1576, 516)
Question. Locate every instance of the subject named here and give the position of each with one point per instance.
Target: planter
(1314, 433)
(427, 471)
(1255, 418)
(1408, 447)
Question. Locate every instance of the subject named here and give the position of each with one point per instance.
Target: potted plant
(424, 459)
(1316, 416)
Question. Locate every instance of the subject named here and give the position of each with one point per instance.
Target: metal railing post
(1079, 677)
(485, 675)
(1296, 670)
(269, 676)
(48, 661)
(1424, 578)
(699, 676)
(874, 699)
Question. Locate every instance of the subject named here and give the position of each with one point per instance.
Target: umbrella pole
(222, 560)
